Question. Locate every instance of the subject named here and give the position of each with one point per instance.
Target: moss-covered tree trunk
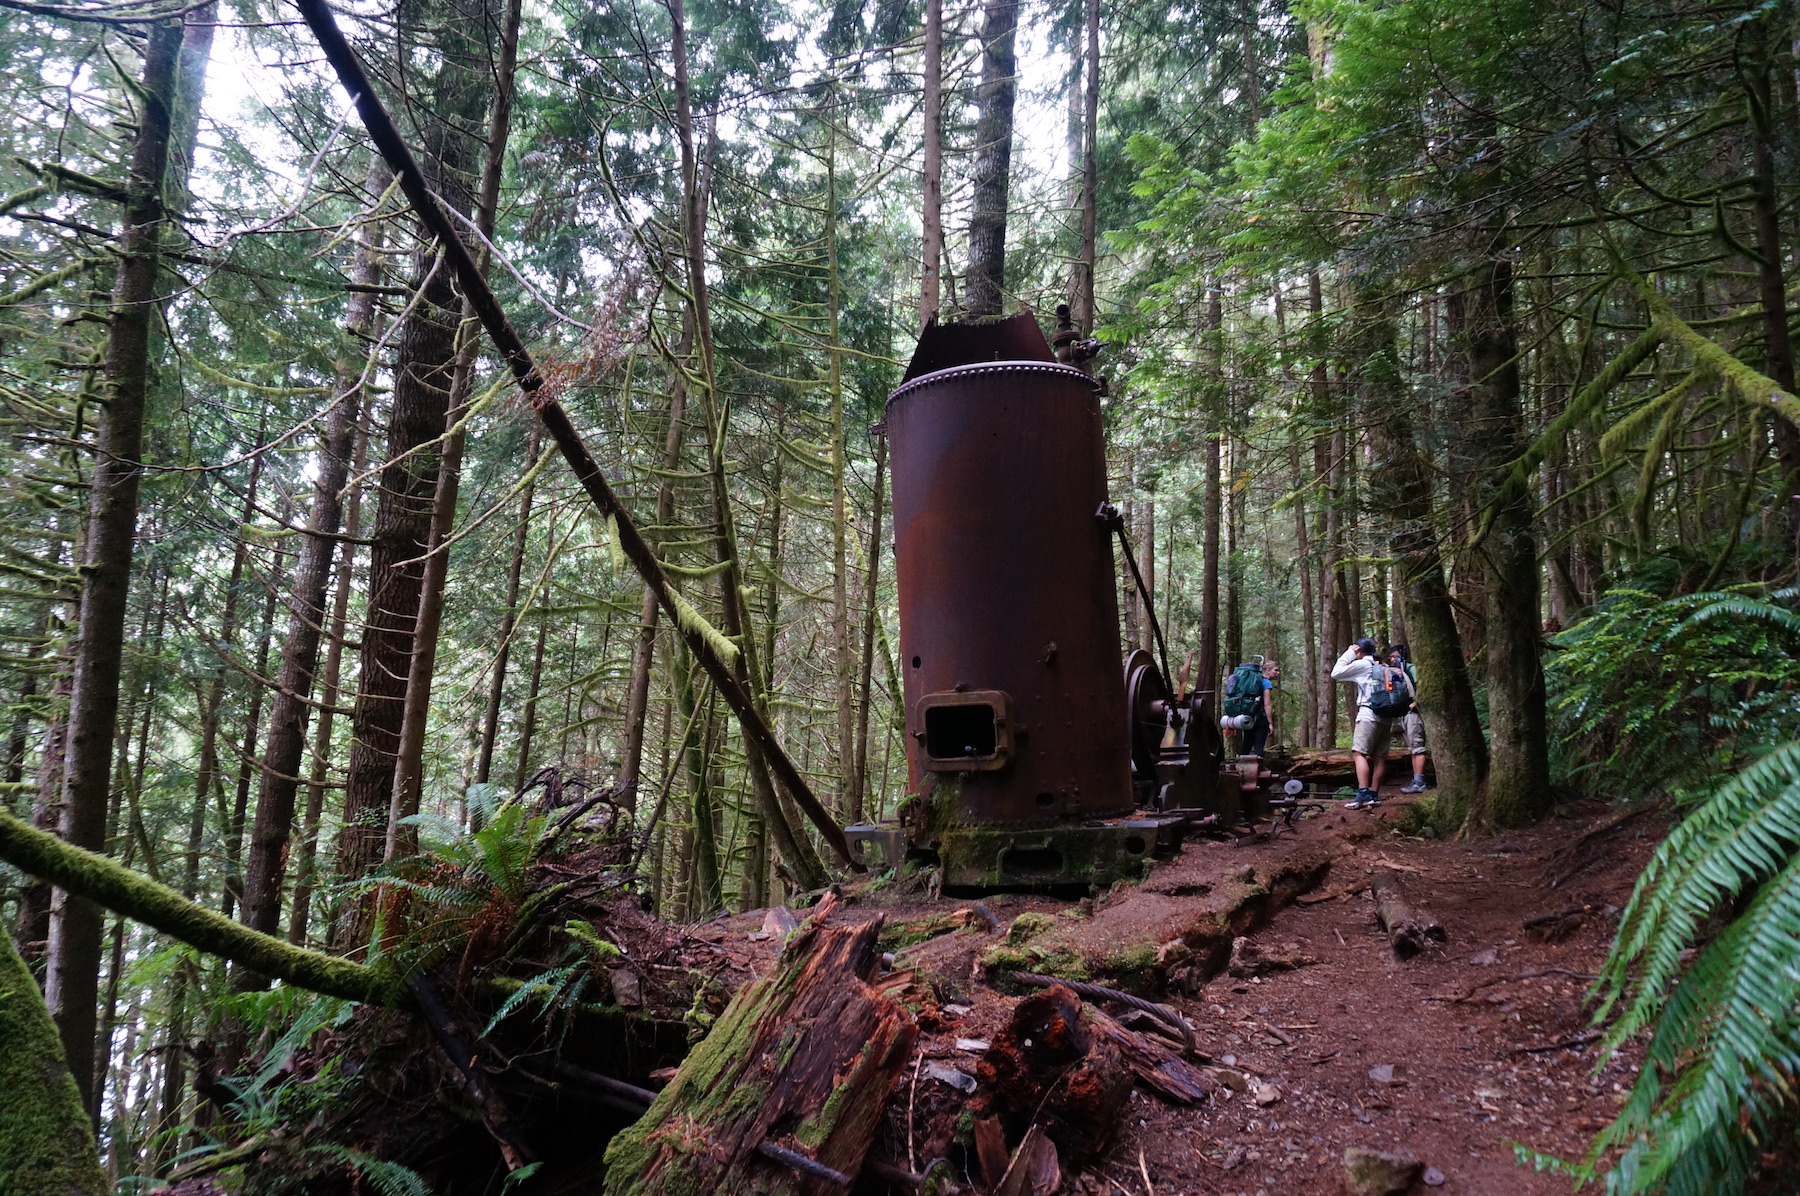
(805, 1057)
(1518, 787)
(1400, 486)
(46, 1141)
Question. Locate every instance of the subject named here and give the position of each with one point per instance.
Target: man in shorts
(1361, 665)
(1413, 725)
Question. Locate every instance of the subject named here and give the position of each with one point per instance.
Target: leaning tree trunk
(1213, 503)
(72, 982)
(984, 289)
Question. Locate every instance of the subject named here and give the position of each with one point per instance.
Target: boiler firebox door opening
(959, 731)
(964, 731)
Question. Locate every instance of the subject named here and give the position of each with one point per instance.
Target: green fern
(389, 1179)
(1722, 1009)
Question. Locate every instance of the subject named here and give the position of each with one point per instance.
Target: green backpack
(1244, 690)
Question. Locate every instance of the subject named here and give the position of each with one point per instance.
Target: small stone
(780, 920)
(972, 1045)
(1484, 959)
(1266, 1094)
(958, 1079)
(957, 1009)
(1379, 1172)
(1388, 1073)
(1230, 1079)
(1433, 1178)
(627, 987)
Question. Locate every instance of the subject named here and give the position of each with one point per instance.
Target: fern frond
(1746, 831)
(389, 1179)
(1726, 1047)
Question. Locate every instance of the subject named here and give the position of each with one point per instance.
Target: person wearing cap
(1361, 666)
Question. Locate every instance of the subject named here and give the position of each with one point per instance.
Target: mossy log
(640, 1037)
(116, 887)
(1408, 927)
(803, 1059)
(46, 1143)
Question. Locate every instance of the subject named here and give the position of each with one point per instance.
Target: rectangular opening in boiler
(964, 730)
(959, 731)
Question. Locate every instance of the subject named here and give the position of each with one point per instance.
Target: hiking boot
(1364, 797)
(1416, 785)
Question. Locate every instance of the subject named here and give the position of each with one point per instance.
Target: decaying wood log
(1051, 1066)
(1157, 1065)
(802, 1060)
(1409, 928)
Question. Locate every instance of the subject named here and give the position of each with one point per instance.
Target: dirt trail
(1469, 1079)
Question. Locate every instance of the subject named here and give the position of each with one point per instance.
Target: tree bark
(931, 263)
(1333, 635)
(984, 288)
(46, 1136)
(509, 623)
(286, 746)
(247, 763)
(1211, 673)
(871, 602)
(1081, 297)
(424, 376)
(409, 763)
(843, 653)
(1401, 489)
(790, 842)
(75, 926)
(1518, 782)
(1410, 929)
(330, 689)
(1778, 344)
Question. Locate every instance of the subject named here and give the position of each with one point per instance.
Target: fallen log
(1408, 927)
(1333, 766)
(787, 1087)
(1157, 1066)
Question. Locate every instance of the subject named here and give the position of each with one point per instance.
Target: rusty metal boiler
(1018, 743)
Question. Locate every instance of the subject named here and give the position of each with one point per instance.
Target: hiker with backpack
(1248, 694)
(1383, 696)
(1413, 725)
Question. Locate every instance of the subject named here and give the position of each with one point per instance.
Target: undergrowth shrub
(1679, 694)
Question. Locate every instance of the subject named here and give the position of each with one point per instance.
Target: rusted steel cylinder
(1009, 618)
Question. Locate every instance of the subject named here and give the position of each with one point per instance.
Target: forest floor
(1480, 1044)
(1471, 1030)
